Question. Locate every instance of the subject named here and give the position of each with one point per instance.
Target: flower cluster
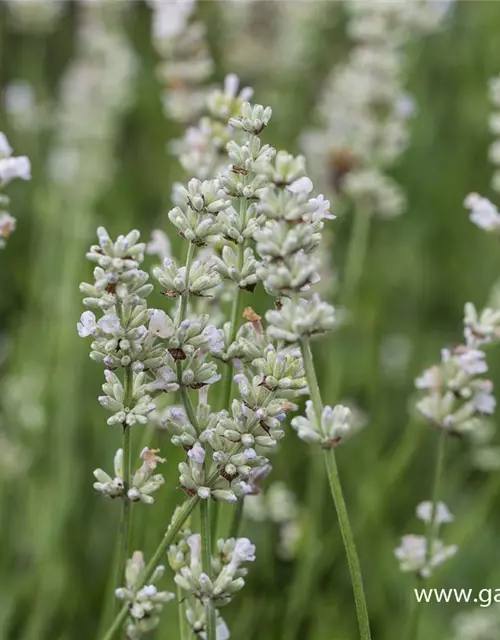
(143, 482)
(415, 554)
(11, 167)
(144, 601)
(495, 130)
(456, 393)
(335, 425)
(254, 421)
(202, 152)
(365, 108)
(227, 578)
(483, 213)
(127, 336)
(186, 63)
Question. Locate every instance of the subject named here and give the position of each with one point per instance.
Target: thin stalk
(206, 561)
(306, 572)
(180, 516)
(414, 618)
(233, 329)
(126, 506)
(183, 626)
(356, 253)
(237, 518)
(227, 392)
(181, 313)
(338, 499)
(438, 473)
(432, 527)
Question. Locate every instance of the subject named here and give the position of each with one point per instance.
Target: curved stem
(179, 518)
(206, 561)
(126, 506)
(432, 527)
(338, 499)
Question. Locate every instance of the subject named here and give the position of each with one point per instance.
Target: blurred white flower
(442, 516)
(483, 213)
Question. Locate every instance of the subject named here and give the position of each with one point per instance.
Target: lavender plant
(260, 205)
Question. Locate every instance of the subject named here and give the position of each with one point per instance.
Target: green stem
(414, 619)
(179, 518)
(338, 499)
(206, 561)
(237, 518)
(356, 253)
(183, 626)
(233, 330)
(438, 473)
(432, 527)
(306, 572)
(126, 506)
(181, 313)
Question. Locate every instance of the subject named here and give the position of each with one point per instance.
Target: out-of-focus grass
(57, 536)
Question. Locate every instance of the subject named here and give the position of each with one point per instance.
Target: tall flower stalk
(261, 198)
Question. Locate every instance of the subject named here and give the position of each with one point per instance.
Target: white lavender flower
(442, 515)
(455, 392)
(303, 318)
(334, 427)
(227, 565)
(481, 327)
(484, 214)
(11, 167)
(143, 482)
(365, 109)
(413, 556)
(144, 601)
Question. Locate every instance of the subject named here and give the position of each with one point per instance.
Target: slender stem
(126, 506)
(206, 560)
(227, 392)
(183, 627)
(237, 518)
(181, 312)
(431, 533)
(438, 472)
(338, 499)
(414, 618)
(186, 400)
(233, 329)
(305, 574)
(181, 315)
(356, 253)
(179, 518)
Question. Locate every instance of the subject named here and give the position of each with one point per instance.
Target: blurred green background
(56, 536)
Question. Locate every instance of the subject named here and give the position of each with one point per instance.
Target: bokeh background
(57, 536)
